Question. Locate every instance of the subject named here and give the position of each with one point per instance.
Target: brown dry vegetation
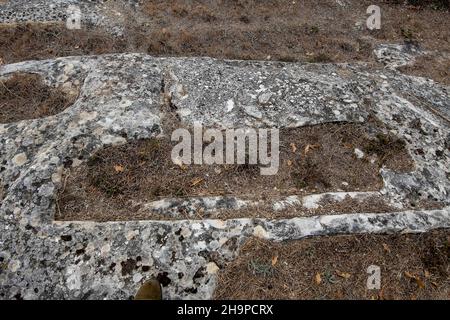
(412, 267)
(286, 30)
(312, 159)
(25, 96)
(430, 66)
(278, 30)
(30, 41)
(309, 31)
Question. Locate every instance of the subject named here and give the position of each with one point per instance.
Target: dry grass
(427, 26)
(280, 30)
(412, 267)
(30, 41)
(430, 66)
(312, 159)
(307, 31)
(25, 96)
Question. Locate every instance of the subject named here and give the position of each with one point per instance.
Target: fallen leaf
(419, 282)
(307, 148)
(348, 146)
(274, 260)
(318, 278)
(118, 168)
(310, 147)
(427, 274)
(289, 163)
(293, 147)
(386, 247)
(343, 274)
(196, 181)
(339, 295)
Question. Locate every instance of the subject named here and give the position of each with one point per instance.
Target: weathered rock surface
(120, 99)
(94, 13)
(397, 55)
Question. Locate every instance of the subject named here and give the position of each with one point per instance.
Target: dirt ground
(413, 266)
(25, 96)
(312, 159)
(306, 31)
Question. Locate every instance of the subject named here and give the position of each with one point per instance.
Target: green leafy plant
(261, 268)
